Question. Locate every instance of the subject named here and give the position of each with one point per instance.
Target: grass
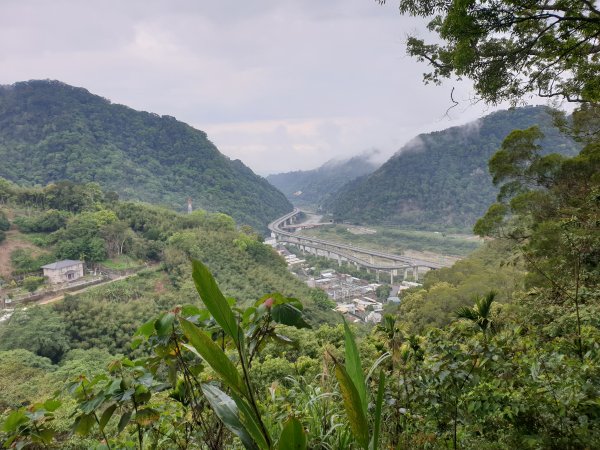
(394, 240)
(120, 263)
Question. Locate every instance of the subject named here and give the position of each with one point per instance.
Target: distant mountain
(315, 187)
(50, 131)
(441, 179)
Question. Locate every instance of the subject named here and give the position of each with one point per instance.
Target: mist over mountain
(441, 179)
(50, 131)
(317, 186)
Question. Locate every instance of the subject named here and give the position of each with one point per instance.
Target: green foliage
(23, 261)
(31, 427)
(440, 389)
(321, 299)
(440, 179)
(4, 222)
(394, 239)
(353, 389)
(512, 48)
(32, 369)
(38, 330)
(46, 222)
(52, 131)
(383, 292)
(292, 436)
(448, 289)
(33, 283)
(480, 314)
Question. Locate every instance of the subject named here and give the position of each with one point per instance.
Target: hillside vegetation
(50, 131)
(315, 187)
(498, 351)
(99, 230)
(440, 180)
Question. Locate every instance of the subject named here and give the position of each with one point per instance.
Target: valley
(156, 294)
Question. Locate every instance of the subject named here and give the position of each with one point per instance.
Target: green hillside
(118, 234)
(441, 179)
(50, 131)
(315, 187)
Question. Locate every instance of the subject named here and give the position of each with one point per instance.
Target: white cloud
(279, 84)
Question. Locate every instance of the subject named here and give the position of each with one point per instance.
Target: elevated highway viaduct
(371, 260)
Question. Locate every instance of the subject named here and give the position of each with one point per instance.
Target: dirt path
(61, 296)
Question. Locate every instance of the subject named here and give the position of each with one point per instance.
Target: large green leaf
(106, 415)
(214, 300)
(378, 407)
(226, 409)
(353, 406)
(293, 436)
(251, 422)
(354, 367)
(214, 356)
(84, 424)
(288, 314)
(14, 421)
(125, 418)
(164, 324)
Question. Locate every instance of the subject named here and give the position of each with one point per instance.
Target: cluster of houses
(356, 299)
(363, 309)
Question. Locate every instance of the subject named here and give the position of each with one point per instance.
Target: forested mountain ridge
(50, 131)
(317, 186)
(441, 179)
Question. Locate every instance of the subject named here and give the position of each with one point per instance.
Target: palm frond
(467, 313)
(484, 305)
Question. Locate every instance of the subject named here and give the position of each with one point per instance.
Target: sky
(280, 84)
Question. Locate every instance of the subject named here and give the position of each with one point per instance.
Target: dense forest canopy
(440, 180)
(80, 221)
(50, 131)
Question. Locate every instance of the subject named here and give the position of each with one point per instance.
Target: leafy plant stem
(97, 421)
(188, 377)
(39, 434)
(251, 395)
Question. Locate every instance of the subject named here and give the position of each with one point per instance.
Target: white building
(63, 271)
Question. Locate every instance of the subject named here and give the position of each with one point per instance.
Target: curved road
(276, 228)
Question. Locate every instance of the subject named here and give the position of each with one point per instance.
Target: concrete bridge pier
(377, 275)
(392, 277)
(416, 274)
(339, 260)
(406, 274)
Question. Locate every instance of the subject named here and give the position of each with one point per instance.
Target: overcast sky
(282, 85)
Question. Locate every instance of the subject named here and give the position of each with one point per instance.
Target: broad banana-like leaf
(251, 422)
(214, 356)
(353, 406)
(293, 436)
(226, 410)
(378, 407)
(215, 302)
(354, 367)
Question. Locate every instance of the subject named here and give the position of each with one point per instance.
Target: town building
(63, 271)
